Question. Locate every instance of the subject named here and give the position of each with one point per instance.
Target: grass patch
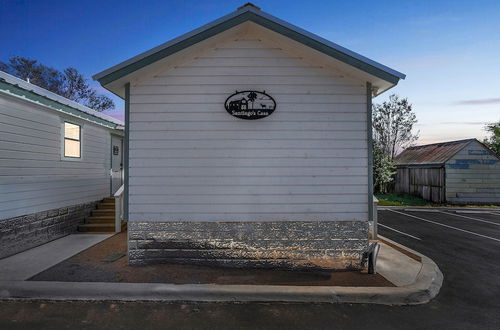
(400, 200)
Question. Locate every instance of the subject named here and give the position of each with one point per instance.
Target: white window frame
(63, 138)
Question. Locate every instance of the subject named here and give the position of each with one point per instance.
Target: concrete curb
(426, 287)
(441, 208)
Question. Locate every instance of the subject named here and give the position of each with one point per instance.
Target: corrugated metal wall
(473, 176)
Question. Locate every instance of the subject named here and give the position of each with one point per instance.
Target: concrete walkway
(398, 268)
(24, 265)
(417, 282)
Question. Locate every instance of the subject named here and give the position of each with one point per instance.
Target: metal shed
(457, 172)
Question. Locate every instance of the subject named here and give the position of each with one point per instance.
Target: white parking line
(447, 226)
(470, 218)
(397, 231)
(422, 210)
(472, 212)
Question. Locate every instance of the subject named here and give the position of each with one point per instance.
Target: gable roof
(249, 12)
(16, 87)
(436, 153)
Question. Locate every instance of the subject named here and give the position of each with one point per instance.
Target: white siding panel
(278, 89)
(265, 190)
(33, 177)
(190, 160)
(225, 117)
(262, 125)
(251, 153)
(216, 107)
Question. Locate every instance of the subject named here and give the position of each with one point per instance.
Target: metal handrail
(119, 209)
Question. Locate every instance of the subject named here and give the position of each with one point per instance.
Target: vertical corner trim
(126, 153)
(369, 140)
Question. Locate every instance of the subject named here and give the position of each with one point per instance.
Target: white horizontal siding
(190, 160)
(473, 176)
(33, 177)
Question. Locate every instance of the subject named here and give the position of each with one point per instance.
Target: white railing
(119, 209)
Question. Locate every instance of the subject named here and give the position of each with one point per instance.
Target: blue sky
(450, 50)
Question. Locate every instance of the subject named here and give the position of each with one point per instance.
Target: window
(72, 140)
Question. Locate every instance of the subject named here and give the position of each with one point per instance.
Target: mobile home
(58, 159)
(248, 144)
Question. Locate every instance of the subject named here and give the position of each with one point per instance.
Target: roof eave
(240, 16)
(87, 113)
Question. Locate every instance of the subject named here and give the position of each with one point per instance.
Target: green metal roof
(19, 88)
(251, 13)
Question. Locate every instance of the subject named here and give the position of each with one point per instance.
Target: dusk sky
(449, 50)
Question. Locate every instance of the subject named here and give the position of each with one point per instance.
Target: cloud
(116, 113)
(478, 102)
(463, 123)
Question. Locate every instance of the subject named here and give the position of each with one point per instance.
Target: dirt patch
(107, 262)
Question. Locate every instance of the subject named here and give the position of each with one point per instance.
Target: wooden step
(100, 219)
(106, 206)
(108, 200)
(103, 212)
(97, 227)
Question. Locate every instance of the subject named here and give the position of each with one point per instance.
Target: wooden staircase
(102, 219)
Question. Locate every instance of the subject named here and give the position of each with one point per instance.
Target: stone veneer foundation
(24, 232)
(289, 244)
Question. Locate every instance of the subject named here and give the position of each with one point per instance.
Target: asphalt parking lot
(465, 245)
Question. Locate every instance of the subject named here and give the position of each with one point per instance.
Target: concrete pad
(397, 267)
(24, 265)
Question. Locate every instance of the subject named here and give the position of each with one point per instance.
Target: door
(116, 163)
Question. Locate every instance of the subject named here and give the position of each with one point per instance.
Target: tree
(493, 141)
(69, 83)
(383, 170)
(252, 96)
(393, 122)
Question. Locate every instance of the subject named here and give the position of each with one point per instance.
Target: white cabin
(56, 159)
(291, 189)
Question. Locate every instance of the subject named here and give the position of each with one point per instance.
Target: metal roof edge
(24, 85)
(465, 141)
(167, 44)
(419, 164)
(235, 18)
(438, 143)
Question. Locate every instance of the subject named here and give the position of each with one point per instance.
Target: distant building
(457, 172)
(58, 158)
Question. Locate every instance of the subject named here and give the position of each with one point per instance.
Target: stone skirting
(291, 245)
(24, 232)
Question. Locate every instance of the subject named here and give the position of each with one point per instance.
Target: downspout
(126, 153)
(369, 139)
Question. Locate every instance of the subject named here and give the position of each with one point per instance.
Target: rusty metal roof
(436, 153)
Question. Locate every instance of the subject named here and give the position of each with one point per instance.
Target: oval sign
(250, 105)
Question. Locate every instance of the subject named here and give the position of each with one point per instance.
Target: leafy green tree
(493, 141)
(383, 170)
(68, 83)
(393, 123)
